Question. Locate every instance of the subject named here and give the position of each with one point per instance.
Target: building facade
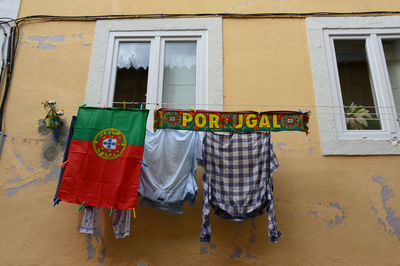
(336, 189)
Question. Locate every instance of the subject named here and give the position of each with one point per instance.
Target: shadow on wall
(24, 174)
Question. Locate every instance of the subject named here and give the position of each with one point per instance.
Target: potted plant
(356, 116)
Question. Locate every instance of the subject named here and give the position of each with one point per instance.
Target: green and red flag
(104, 158)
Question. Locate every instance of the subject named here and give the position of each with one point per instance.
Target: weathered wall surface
(93, 7)
(331, 210)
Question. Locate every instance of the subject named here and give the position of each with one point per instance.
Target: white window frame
(156, 62)
(335, 138)
(209, 70)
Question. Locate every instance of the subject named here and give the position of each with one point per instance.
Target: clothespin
(141, 107)
(104, 105)
(55, 202)
(305, 111)
(64, 163)
(258, 108)
(144, 164)
(124, 105)
(111, 212)
(134, 213)
(157, 107)
(80, 208)
(194, 110)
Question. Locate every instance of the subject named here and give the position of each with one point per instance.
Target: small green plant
(356, 116)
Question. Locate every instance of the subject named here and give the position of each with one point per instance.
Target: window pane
(361, 111)
(392, 56)
(132, 73)
(179, 85)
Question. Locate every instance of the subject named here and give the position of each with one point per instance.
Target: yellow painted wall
(331, 210)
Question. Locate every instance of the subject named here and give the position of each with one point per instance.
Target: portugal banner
(230, 121)
(104, 157)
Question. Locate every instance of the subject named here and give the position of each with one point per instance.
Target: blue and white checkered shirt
(237, 179)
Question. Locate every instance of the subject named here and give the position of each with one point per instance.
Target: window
(163, 68)
(170, 63)
(365, 81)
(356, 70)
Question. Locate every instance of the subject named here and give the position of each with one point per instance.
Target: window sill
(359, 145)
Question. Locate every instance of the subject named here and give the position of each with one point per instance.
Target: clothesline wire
(331, 113)
(224, 104)
(314, 117)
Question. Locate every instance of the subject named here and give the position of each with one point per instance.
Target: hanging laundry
(168, 178)
(104, 158)
(121, 222)
(237, 179)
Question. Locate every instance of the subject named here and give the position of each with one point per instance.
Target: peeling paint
(391, 219)
(37, 38)
(240, 5)
(249, 256)
(280, 145)
(45, 46)
(335, 205)
(310, 151)
(86, 44)
(53, 175)
(374, 210)
(237, 253)
(56, 38)
(12, 191)
(22, 161)
(312, 212)
(14, 173)
(380, 220)
(16, 179)
(42, 44)
(331, 218)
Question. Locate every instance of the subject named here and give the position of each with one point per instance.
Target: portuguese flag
(104, 157)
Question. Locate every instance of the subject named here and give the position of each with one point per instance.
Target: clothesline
(225, 104)
(319, 113)
(394, 118)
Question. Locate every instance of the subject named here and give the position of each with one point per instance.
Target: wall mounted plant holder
(53, 118)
